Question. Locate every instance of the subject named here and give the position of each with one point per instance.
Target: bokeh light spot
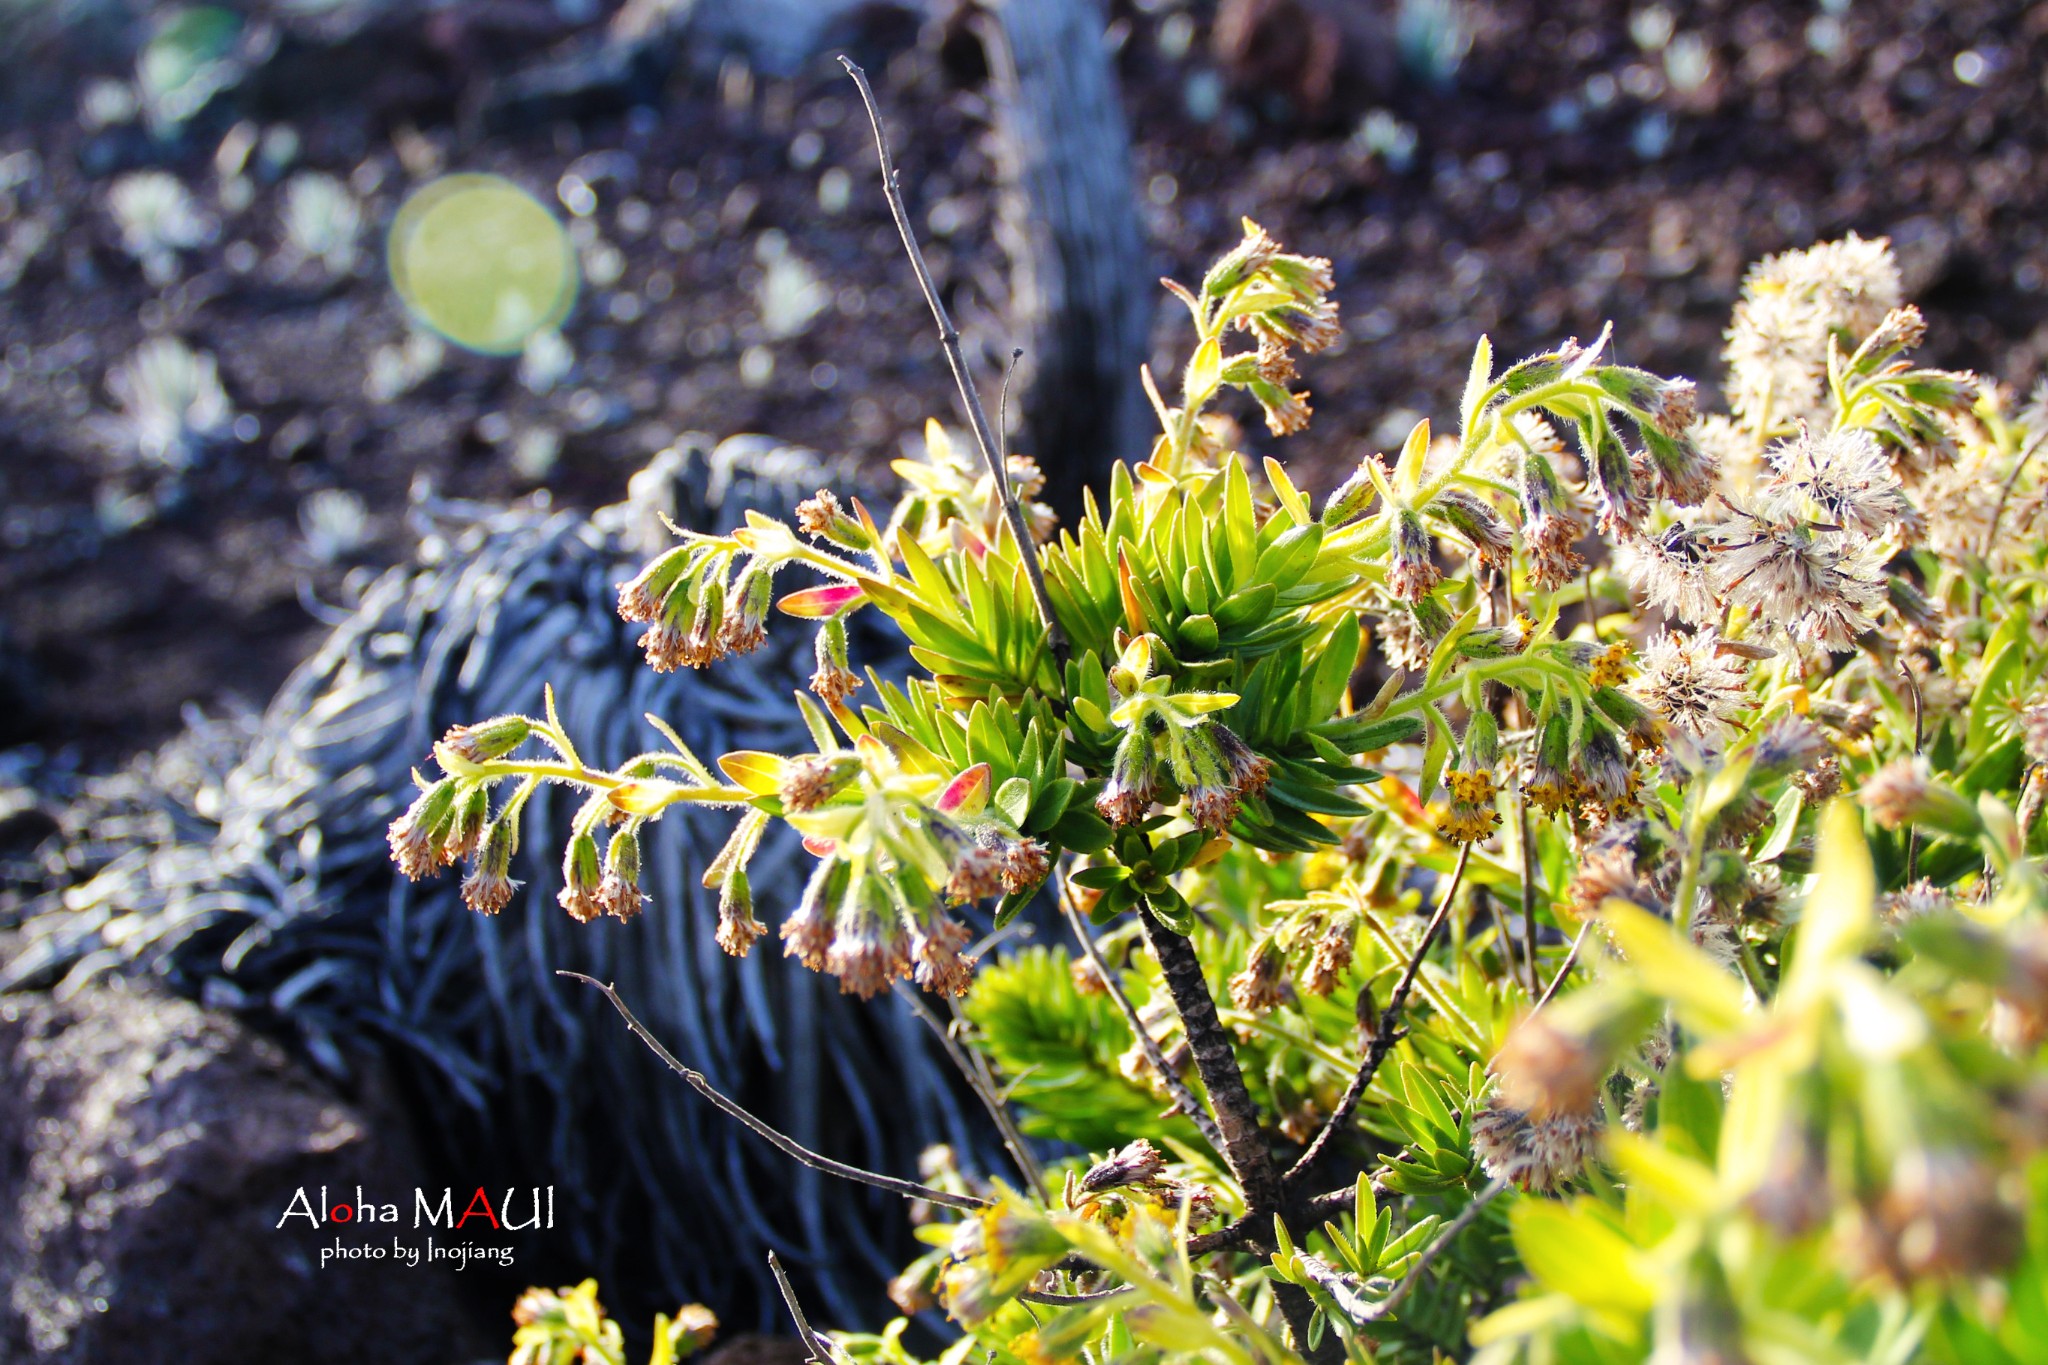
(482, 262)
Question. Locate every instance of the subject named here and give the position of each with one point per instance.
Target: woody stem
(1237, 1118)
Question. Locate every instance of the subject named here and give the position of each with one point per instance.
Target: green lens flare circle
(481, 262)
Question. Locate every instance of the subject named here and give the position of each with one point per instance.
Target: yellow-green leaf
(1708, 999)
(1840, 908)
(759, 773)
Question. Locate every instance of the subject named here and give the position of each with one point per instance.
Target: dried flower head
(1262, 986)
(1691, 684)
(1538, 1155)
(1843, 477)
(1136, 1163)
(1813, 585)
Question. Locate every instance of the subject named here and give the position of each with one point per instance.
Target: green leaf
(1477, 380)
(1333, 671)
(1013, 798)
(1708, 999)
(1171, 909)
(1081, 830)
(1284, 561)
(1204, 374)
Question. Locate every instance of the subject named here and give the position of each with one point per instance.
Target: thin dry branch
(820, 1352)
(949, 338)
(909, 1189)
(983, 1085)
(1570, 960)
(1387, 1034)
(1437, 1248)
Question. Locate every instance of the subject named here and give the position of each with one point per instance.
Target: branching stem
(1237, 1117)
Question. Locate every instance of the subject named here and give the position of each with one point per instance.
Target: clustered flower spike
(1283, 301)
(693, 614)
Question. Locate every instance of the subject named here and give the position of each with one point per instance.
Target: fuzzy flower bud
(618, 892)
(466, 829)
(1262, 986)
(737, 928)
(745, 627)
(1548, 782)
(487, 739)
(937, 949)
(1673, 465)
(417, 836)
(1331, 954)
(821, 515)
(807, 933)
(869, 948)
(1904, 792)
(580, 879)
(1469, 515)
(834, 680)
(1350, 497)
(1548, 527)
(642, 597)
(488, 887)
(1410, 573)
(809, 782)
(1133, 780)
(1543, 1069)
(1622, 505)
(1286, 411)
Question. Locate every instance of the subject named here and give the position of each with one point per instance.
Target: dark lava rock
(147, 1150)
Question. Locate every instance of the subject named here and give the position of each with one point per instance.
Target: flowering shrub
(1569, 892)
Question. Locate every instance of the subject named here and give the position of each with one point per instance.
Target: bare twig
(949, 338)
(1387, 1034)
(909, 1189)
(820, 1353)
(1570, 959)
(984, 1088)
(1528, 895)
(1183, 1098)
(2019, 463)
